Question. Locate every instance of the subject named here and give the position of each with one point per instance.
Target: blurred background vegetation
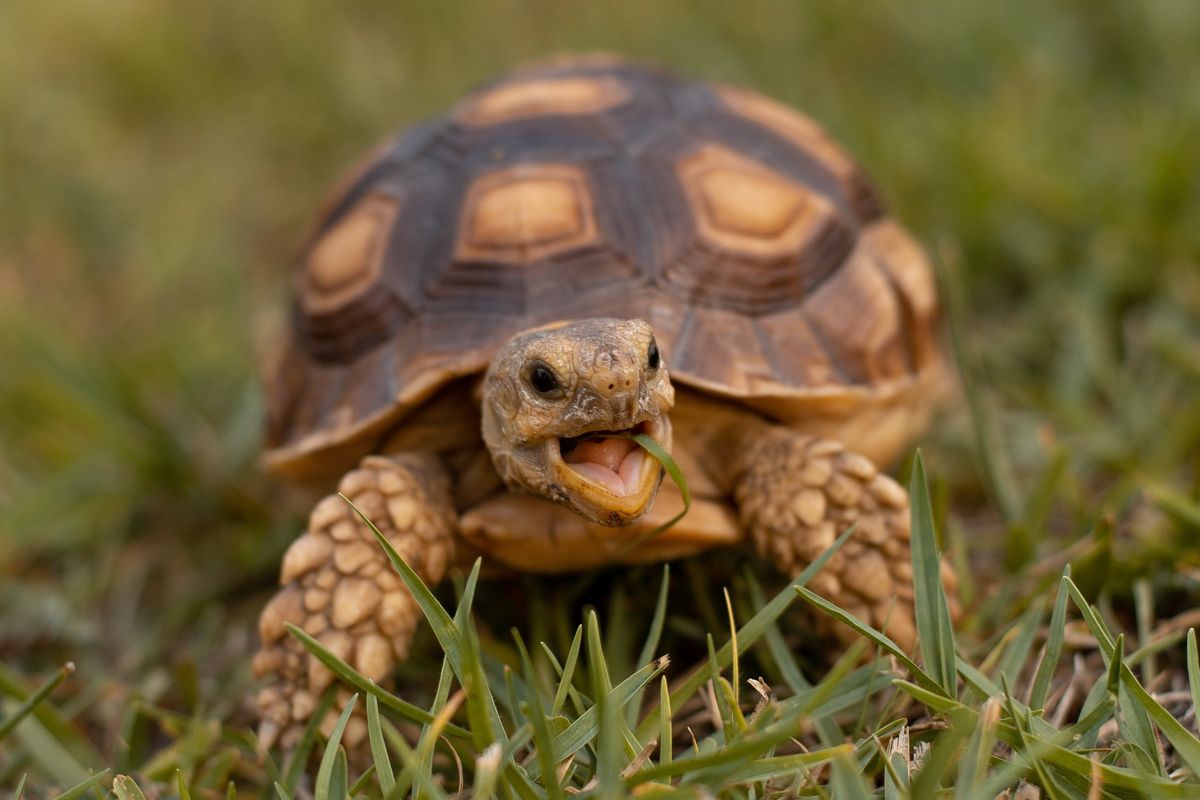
(159, 164)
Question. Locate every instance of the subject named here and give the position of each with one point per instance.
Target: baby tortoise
(585, 249)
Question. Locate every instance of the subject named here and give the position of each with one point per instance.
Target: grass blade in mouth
(661, 455)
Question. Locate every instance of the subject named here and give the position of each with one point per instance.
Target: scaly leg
(340, 588)
(796, 494)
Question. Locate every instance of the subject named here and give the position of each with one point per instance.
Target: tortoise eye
(542, 378)
(652, 357)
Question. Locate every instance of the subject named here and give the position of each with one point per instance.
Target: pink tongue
(605, 451)
(615, 463)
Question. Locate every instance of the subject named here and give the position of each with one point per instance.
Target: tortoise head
(559, 404)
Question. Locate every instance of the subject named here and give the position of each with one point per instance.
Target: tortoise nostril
(610, 386)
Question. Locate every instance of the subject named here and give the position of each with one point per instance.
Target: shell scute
(523, 214)
(534, 97)
(858, 319)
(808, 136)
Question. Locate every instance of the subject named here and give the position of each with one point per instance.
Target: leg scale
(798, 493)
(340, 588)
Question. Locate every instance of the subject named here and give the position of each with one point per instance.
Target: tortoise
(584, 249)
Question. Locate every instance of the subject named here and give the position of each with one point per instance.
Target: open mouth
(610, 460)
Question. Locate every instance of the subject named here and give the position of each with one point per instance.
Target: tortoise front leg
(340, 588)
(796, 493)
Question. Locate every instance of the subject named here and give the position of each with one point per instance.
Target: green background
(159, 164)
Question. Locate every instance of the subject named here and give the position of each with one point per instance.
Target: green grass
(520, 740)
(157, 169)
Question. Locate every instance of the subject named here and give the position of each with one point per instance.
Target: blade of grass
(934, 629)
(408, 757)
(359, 785)
(875, 636)
(673, 470)
(481, 703)
(482, 712)
(846, 780)
(598, 666)
(428, 739)
(1114, 665)
(339, 776)
(724, 701)
(585, 726)
(745, 747)
(1096, 698)
(764, 769)
(785, 661)
(81, 788)
(749, 633)
(351, 676)
(567, 673)
(299, 758)
(326, 771)
(440, 621)
(1185, 744)
(973, 768)
(1043, 747)
(735, 658)
(936, 763)
(49, 752)
(126, 788)
(33, 700)
(1051, 786)
(1052, 650)
(608, 735)
(181, 786)
(546, 757)
(676, 474)
(1016, 654)
(781, 654)
(1193, 668)
(487, 772)
(653, 635)
(1143, 605)
(379, 753)
(665, 729)
(602, 683)
(78, 749)
(897, 764)
(1052, 749)
(1175, 505)
(462, 615)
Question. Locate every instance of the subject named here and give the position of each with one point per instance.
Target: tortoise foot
(799, 493)
(340, 588)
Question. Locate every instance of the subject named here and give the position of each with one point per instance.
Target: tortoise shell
(755, 246)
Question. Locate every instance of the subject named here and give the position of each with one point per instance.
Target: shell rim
(289, 457)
